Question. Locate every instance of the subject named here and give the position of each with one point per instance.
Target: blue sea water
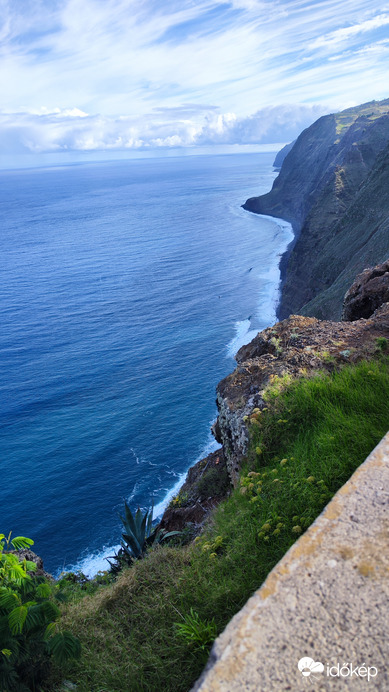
(126, 289)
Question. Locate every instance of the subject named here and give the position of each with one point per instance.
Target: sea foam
(108, 371)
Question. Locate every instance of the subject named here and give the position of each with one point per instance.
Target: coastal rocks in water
(298, 346)
(206, 484)
(368, 292)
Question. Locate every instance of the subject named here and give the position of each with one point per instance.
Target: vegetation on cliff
(334, 188)
(151, 629)
(29, 634)
(296, 347)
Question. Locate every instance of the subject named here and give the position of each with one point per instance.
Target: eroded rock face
(206, 484)
(368, 292)
(295, 347)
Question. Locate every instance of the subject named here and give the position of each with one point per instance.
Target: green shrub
(213, 483)
(29, 636)
(382, 344)
(75, 585)
(195, 631)
(179, 500)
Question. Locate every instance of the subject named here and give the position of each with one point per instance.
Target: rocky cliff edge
(296, 347)
(334, 188)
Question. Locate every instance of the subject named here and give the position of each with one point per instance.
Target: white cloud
(346, 33)
(69, 130)
(67, 113)
(273, 124)
(134, 66)
(125, 56)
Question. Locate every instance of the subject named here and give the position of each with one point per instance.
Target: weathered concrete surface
(327, 599)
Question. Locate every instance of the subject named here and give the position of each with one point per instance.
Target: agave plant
(139, 535)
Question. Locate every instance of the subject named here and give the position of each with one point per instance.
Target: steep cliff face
(334, 188)
(281, 155)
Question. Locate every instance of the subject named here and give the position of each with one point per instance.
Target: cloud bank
(187, 126)
(84, 75)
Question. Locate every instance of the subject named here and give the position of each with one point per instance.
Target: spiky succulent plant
(139, 535)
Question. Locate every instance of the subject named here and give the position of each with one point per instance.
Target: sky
(130, 77)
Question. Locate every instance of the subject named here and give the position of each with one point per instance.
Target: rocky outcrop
(30, 556)
(298, 346)
(368, 292)
(295, 347)
(334, 188)
(207, 483)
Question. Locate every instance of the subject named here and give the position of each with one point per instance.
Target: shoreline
(90, 564)
(284, 263)
(284, 258)
(173, 518)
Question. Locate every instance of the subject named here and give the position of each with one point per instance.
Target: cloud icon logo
(307, 666)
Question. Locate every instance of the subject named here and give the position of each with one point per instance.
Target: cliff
(282, 154)
(300, 450)
(334, 188)
(296, 347)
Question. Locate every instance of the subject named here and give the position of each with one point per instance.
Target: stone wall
(326, 601)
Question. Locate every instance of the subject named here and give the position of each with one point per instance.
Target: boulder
(369, 291)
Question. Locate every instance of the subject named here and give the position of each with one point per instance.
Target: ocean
(127, 287)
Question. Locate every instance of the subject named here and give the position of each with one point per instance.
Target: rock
(67, 685)
(215, 429)
(206, 484)
(177, 518)
(29, 555)
(298, 346)
(368, 292)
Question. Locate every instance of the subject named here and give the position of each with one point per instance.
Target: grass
(314, 434)
(372, 110)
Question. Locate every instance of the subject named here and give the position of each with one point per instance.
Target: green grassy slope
(304, 447)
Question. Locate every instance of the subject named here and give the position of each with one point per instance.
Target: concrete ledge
(327, 599)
